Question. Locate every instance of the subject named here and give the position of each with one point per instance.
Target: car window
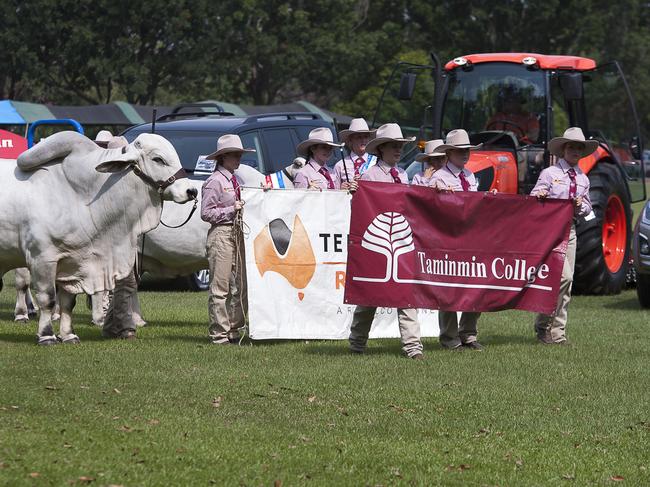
(303, 131)
(251, 140)
(281, 149)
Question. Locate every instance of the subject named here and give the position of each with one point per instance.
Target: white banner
(296, 252)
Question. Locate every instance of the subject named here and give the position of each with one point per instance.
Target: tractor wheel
(602, 255)
(643, 289)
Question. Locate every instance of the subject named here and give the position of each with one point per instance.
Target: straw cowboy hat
(390, 132)
(117, 142)
(321, 135)
(572, 134)
(103, 137)
(431, 150)
(357, 126)
(457, 139)
(228, 143)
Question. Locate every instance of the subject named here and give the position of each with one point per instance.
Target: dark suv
(274, 136)
(194, 135)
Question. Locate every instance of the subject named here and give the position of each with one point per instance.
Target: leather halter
(161, 185)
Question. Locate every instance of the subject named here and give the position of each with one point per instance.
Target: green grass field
(169, 409)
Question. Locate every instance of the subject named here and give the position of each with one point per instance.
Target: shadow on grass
(18, 337)
(628, 304)
(7, 316)
(198, 339)
(501, 340)
(13, 337)
(430, 345)
(341, 348)
(179, 284)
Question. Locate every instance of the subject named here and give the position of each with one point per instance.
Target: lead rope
(196, 203)
(240, 230)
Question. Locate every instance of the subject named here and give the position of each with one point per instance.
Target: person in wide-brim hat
(564, 180)
(228, 143)
(321, 135)
(387, 146)
(572, 134)
(317, 151)
(433, 159)
(357, 160)
(390, 132)
(457, 139)
(431, 151)
(455, 333)
(221, 207)
(358, 126)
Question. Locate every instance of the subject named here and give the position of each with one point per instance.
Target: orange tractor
(514, 104)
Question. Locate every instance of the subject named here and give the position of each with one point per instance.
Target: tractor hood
(494, 170)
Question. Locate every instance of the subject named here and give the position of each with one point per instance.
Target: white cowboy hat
(357, 126)
(431, 150)
(390, 132)
(103, 137)
(321, 135)
(117, 142)
(572, 134)
(457, 139)
(228, 143)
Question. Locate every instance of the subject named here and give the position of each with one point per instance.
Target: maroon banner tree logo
(389, 234)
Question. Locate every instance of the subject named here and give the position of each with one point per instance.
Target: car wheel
(643, 289)
(602, 255)
(199, 281)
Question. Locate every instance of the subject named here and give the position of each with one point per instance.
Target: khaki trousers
(119, 316)
(553, 327)
(227, 300)
(452, 333)
(409, 329)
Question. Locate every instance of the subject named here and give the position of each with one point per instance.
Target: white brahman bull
(72, 212)
(167, 252)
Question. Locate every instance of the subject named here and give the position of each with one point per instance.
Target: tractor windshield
(503, 97)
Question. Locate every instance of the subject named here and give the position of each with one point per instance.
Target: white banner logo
(389, 234)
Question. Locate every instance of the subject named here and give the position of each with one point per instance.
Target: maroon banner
(412, 247)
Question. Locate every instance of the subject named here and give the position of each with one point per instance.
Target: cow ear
(113, 166)
(118, 163)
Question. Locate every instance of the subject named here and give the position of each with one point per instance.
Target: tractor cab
(514, 104)
(503, 107)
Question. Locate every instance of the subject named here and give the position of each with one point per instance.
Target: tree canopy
(335, 53)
